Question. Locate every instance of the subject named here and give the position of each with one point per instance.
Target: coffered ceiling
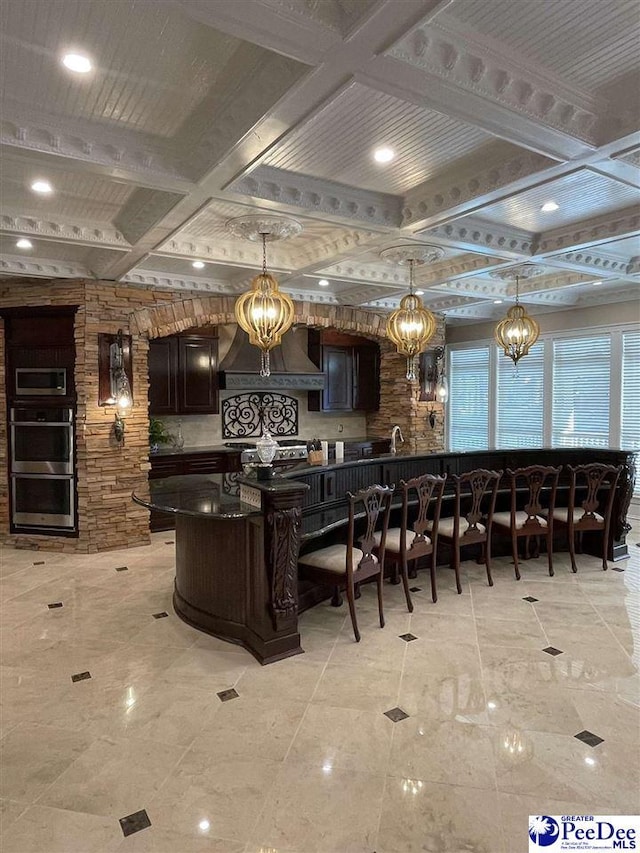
(196, 112)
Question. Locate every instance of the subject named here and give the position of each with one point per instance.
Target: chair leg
(514, 552)
(487, 560)
(455, 555)
(336, 598)
(432, 572)
(605, 539)
(572, 553)
(405, 583)
(352, 611)
(380, 610)
(550, 555)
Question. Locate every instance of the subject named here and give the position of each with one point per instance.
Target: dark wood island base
(222, 586)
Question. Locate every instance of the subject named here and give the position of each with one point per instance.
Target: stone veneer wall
(107, 472)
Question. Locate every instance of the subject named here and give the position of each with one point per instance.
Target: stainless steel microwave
(41, 381)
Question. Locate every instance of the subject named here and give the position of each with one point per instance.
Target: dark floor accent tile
(589, 738)
(134, 822)
(225, 695)
(80, 676)
(407, 637)
(39, 563)
(122, 568)
(170, 542)
(54, 605)
(616, 569)
(551, 650)
(530, 599)
(160, 615)
(396, 714)
(415, 589)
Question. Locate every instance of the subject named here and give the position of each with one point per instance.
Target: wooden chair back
(478, 490)
(540, 484)
(376, 503)
(600, 482)
(428, 488)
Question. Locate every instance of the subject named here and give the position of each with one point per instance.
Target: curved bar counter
(238, 539)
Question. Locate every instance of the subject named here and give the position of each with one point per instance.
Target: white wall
(580, 318)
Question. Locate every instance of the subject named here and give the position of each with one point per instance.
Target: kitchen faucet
(396, 431)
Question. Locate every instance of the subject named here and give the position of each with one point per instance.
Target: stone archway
(399, 403)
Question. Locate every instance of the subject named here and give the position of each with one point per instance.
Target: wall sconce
(431, 417)
(433, 379)
(114, 369)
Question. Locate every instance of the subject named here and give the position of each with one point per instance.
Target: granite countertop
(207, 495)
(201, 448)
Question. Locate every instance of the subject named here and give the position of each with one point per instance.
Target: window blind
(469, 399)
(520, 401)
(581, 382)
(630, 413)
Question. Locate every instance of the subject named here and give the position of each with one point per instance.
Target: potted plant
(157, 434)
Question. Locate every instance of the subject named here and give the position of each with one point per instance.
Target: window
(581, 381)
(469, 395)
(572, 390)
(630, 412)
(520, 400)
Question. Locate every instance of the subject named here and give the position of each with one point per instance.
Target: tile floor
(119, 733)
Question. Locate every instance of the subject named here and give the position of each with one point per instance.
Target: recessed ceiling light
(77, 62)
(323, 282)
(419, 292)
(198, 265)
(23, 243)
(497, 301)
(384, 154)
(549, 207)
(43, 187)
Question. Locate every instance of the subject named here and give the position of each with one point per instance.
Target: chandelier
(411, 326)
(264, 312)
(517, 332)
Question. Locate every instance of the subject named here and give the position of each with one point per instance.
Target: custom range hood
(291, 367)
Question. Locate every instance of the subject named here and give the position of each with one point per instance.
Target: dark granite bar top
(210, 495)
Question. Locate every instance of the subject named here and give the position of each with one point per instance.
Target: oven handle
(42, 423)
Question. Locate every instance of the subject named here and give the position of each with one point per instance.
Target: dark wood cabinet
(183, 374)
(163, 376)
(351, 367)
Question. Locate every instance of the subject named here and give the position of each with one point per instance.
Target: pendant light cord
(264, 253)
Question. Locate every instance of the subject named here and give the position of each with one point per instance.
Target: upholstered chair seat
(333, 558)
(446, 525)
(393, 539)
(521, 519)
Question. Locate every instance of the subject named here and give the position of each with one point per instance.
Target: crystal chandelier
(411, 326)
(264, 312)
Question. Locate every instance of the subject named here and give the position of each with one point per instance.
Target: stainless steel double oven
(42, 457)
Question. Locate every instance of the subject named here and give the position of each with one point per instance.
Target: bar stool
(598, 482)
(345, 565)
(410, 542)
(475, 501)
(534, 486)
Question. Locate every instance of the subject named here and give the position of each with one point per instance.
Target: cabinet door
(366, 378)
(338, 370)
(163, 376)
(198, 382)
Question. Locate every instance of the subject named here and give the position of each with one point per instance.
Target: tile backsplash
(201, 430)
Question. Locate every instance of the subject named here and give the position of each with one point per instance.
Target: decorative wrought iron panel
(248, 415)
